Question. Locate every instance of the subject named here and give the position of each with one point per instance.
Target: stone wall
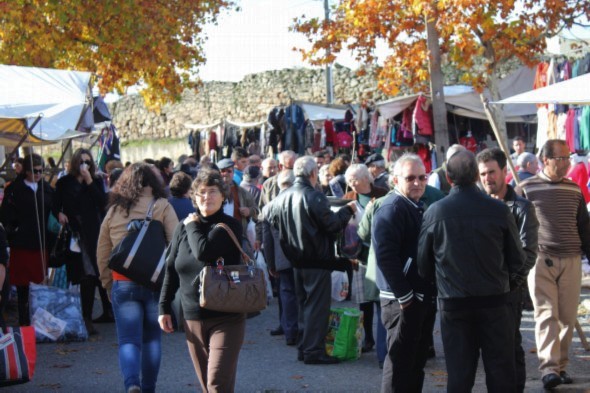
(249, 100)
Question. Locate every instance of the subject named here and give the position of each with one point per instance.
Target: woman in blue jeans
(135, 306)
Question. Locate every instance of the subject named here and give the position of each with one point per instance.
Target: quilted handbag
(232, 288)
(140, 256)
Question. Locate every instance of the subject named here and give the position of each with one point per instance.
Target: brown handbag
(232, 288)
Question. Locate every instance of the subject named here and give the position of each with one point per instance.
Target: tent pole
(501, 141)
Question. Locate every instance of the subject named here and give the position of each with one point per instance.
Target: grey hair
(286, 155)
(304, 166)
(360, 171)
(407, 157)
(525, 158)
(285, 179)
(454, 149)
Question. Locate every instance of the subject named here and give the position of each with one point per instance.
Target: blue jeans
(136, 316)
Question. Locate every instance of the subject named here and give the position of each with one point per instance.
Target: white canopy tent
(465, 101)
(41, 106)
(575, 91)
(321, 112)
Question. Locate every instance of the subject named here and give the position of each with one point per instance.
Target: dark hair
(149, 161)
(319, 154)
(112, 165)
(114, 176)
(180, 184)
(238, 152)
(30, 161)
(131, 183)
(462, 168)
(518, 138)
(548, 149)
(492, 154)
(75, 162)
(164, 163)
(210, 178)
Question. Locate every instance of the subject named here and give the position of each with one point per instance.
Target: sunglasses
(37, 171)
(566, 158)
(412, 178)
(87, 162)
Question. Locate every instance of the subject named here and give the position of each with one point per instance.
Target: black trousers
(407, 345)
(313, 288)
(465, 333)
(516, 302)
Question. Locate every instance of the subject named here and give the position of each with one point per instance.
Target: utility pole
(439, 109)
(329, 85)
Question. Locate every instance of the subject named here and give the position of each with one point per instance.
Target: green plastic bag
(345, 333)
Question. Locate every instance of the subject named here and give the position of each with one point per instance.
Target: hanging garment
(329, 130)
(542, 126)
(584, 126)
(541, 78)
(424, 153)
(422, 116)
(569, 130)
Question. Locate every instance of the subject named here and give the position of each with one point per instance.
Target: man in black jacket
(470, 242)
(407, 300)
(492, 175)
(307, 229)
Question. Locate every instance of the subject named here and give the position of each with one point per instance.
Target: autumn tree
(476, 36)
(155, 43)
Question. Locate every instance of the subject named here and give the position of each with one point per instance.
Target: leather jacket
(524, 213)
(307, 226)
(471, 241)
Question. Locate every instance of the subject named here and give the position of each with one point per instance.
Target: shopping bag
(261, 264)
(56, 314)
(18, 355)
(339, 286)
(345, 333)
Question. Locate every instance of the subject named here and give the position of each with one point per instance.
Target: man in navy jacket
(407, 300)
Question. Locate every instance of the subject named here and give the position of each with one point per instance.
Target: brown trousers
(214, 345)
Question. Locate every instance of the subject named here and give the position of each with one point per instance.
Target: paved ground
(266, 365)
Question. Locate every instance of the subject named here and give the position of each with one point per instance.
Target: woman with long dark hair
(135, 306)
(214, 338)
(80, 201)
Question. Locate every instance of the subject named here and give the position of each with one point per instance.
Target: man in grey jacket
(280, 267)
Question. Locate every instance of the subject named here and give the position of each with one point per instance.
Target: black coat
(471, 242)
(307, 226)
(84, 205)
(24, 215)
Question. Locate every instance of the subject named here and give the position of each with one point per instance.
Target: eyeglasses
(211, 193)
(37, 171)
(565, 158)
(87, 162)
(412, 178)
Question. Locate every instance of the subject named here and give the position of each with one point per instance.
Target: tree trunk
(497, 110)
(439, 109)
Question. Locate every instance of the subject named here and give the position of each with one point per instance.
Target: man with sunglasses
(406, 299)
(555, 280)
(470, 243)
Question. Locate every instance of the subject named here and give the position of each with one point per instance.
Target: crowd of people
(467, 241)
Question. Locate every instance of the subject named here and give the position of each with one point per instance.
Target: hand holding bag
(232, 288)
(61, 248)
(140, 256)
